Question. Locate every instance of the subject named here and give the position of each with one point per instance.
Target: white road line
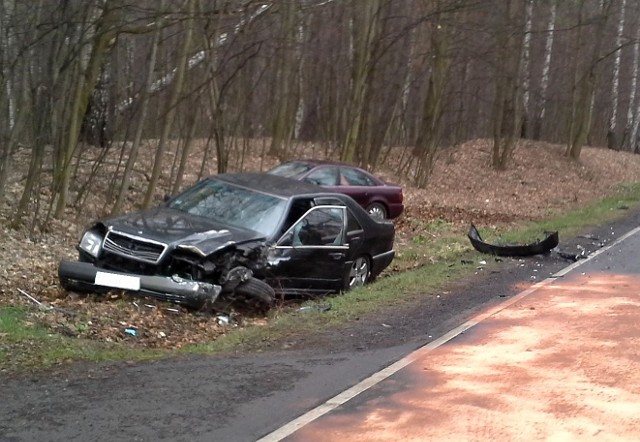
(376, 378)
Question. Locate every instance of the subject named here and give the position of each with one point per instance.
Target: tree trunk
(544, 80)
(102, 41)
(365, 32)
(285, 84)
(172, 106)
(144, 106)
(506, 111)
(630, 129)
(526, 51)
(585, 86)
(429, 133)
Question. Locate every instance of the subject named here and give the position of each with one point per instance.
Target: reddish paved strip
(560, 365)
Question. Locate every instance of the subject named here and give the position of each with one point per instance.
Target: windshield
(290, 170)
(233, 206)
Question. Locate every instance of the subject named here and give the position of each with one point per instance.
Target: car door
(357, 185)
(325, 176)
(311, 255)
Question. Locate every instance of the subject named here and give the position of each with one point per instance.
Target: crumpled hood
(181, 230)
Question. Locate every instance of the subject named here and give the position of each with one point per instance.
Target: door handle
(336, 255)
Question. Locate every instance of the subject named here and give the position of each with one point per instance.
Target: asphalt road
(245, 397)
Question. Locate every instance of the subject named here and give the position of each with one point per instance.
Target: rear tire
(256, 292)
(359, 273)
(377, 211)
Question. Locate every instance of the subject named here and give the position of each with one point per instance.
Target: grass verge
(25, 345)
(425, 264)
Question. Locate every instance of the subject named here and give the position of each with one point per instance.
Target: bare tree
(172, 105)
(144, 107)
(365, 23)
(507, 107)
(585, 81)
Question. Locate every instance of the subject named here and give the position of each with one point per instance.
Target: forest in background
(352, 76)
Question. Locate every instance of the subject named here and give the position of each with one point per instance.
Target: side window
(352, 223)
(354, 177)
(325, 176)
(322, 226)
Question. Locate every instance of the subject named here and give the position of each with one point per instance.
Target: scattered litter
(386, 325)
(130, 331)
(223, 319)
(46, 306)
(172, 310)
(315, 308)
(483, 263)
(162, 334)
(31, 298)
(150, 306)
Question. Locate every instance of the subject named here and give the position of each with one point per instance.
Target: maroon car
(382, 200)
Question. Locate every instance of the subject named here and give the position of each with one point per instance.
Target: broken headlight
(91, 242)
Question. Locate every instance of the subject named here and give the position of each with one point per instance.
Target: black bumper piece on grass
(85, 276)
(536, 248)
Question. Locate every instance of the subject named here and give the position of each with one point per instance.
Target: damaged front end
(191, 271)
(86, 276)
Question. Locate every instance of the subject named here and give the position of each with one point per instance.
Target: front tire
(358, 274)
(256, 292)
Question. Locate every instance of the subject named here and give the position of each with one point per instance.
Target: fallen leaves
(462, 189)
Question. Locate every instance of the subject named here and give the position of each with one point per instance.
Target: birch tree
(526, 55)
(630, 137)
(612, 139)
(546, 67)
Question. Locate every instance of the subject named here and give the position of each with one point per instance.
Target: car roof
(271, 184)
(315, 162)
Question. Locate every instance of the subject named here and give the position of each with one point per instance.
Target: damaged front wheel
(256, 292)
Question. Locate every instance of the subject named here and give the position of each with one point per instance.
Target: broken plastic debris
(535, 248)
(483, 262)
(315, 308)
(130, 331)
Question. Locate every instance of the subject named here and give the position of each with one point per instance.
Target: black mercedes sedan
(248, 235)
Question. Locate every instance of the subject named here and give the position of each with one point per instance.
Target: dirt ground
(462, 189)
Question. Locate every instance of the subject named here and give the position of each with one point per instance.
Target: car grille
(134, 247)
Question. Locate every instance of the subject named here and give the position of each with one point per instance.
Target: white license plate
(117, 281)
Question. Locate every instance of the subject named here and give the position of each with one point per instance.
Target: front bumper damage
(86, 276)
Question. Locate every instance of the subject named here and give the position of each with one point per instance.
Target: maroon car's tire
(358, 274)
(256, 292)
(377, 211)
